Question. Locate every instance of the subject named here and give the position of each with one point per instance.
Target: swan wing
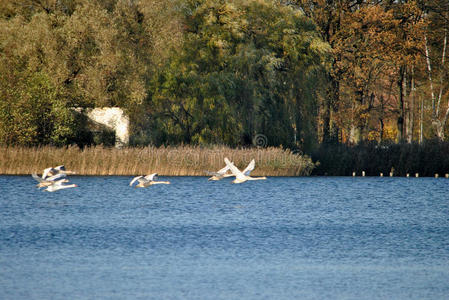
(59, 182)
(37, 178)
(219, 173)
(249, 168)
(60, 168)
(46, 172)
(212, 173)
(56, 177)
(237, 173)
(223, 170)
(151, 177)
(135, 179)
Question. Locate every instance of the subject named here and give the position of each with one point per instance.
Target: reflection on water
(283, 238)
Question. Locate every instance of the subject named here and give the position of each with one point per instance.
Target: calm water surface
(284, 238)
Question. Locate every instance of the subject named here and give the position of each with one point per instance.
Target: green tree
(32, 109)
(245, 68)
(32, 114)
(92, 53)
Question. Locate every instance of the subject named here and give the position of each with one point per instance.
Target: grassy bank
(167, 161)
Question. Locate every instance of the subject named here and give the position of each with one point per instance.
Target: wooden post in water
(408, 175)
(447, 175)
(353, 174)
(363, 173)
(381, 174)
(436, 175)
(416, 175)
(391, 174)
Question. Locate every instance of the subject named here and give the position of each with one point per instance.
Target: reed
(166, 161)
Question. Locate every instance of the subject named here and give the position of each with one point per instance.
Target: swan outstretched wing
(56, 177)
(46, 172)
(249, 168)
(223, 170)
(219, 173)
(237, 173)
(135, 179)
(151, 177)
(37, 178)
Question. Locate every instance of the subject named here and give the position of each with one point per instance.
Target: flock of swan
(54, 179)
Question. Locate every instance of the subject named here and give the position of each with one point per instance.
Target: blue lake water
(283, 238)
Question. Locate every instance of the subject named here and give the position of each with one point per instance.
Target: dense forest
(206, 72)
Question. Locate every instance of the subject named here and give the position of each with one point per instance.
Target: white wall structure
(113, 118)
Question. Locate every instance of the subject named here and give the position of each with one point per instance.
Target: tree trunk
(421, 122)
(411, 114)
(401, 117)
(327, 121)
(358, 123)
(436, 123)
(381, 120)
(443, 122)
(332, 97)
(355, 136)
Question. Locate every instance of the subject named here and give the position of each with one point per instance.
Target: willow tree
(89, 53)
(245, 68)
(33, 109)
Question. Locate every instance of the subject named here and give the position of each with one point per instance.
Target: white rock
(113, 118)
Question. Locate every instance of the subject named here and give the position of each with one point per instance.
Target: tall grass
(166, 161)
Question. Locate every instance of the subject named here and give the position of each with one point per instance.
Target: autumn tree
(371, 40)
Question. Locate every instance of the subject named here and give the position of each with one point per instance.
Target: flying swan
(48, 172)
(220, 174)
(49, 180)
(242, 176)
(58, 185)
(145, 181)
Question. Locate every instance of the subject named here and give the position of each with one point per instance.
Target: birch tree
(436, 39)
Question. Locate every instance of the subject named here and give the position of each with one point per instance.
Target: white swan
(145, 181)
(48, 172)
(49, 180)
(220, 174)
(58, 185)
(242, 176)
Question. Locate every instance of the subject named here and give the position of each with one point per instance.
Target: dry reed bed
(167, 161)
